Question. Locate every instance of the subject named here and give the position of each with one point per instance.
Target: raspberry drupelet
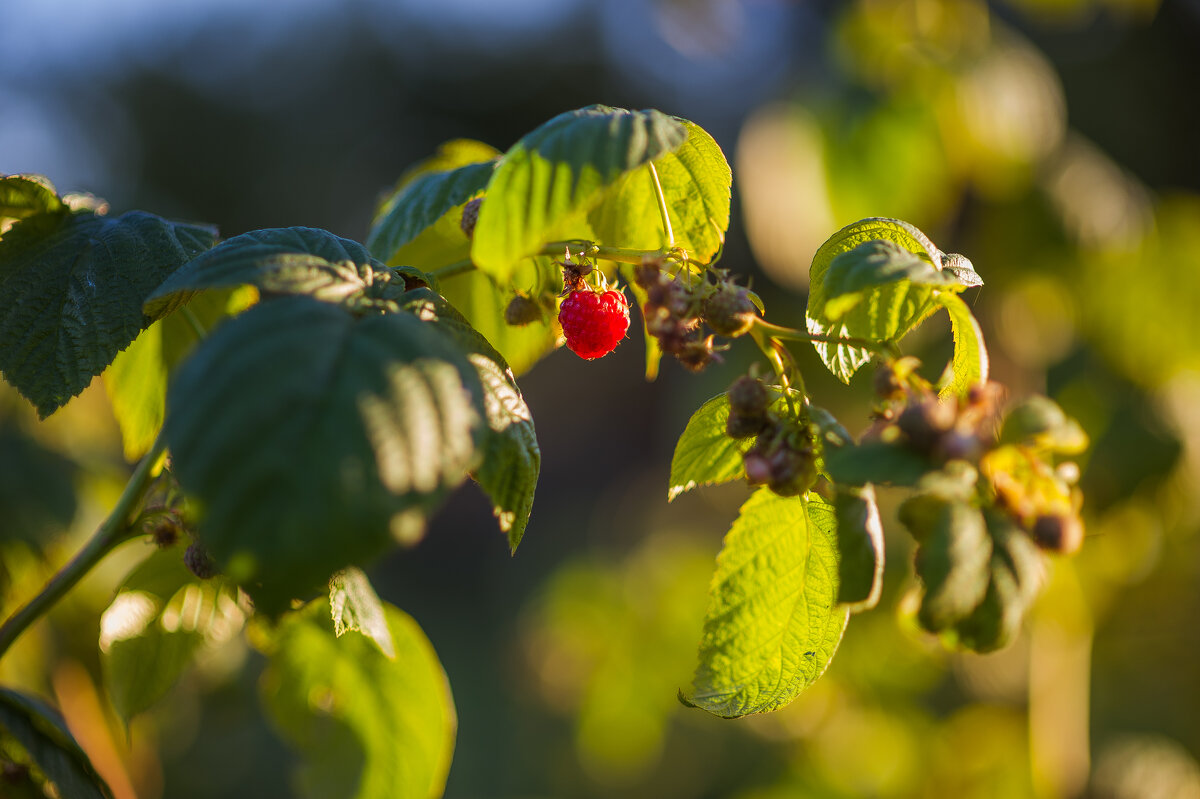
(594, 322)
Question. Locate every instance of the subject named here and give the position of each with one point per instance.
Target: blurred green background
(1051, 141)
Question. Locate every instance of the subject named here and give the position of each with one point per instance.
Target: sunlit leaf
(369, 726)
(355, 607)
(969, 365)
(886, 314)
(559, 171)
(860, 547)
(704, 454)
(773, 621)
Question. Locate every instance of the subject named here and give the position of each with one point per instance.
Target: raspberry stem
(662, 206)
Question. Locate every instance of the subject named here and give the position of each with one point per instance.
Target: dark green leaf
(560, 171)
(773, 620)
(860, 547)
(969, 365)
(511, 456)
(160, 619)
(876, 462)
(71, 295)
(314, 439)
(370, 727)
(423, 202)
(355, 606)
(886, 313)
(41, 731)
(704, 454)
(1015, 579)
(294, 260)
(952, 560)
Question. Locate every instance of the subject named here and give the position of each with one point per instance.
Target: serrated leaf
(876, 462)
(853, 274)
(886, 314)
(355, 607)
(314, 439)
(71, 295)
(295, 260)
(136, 380)
(860, 547)
(704, 454)
(773, 622)
(422, 202)
(42, 732)
(511, 461)
(160, 619)
(23, 196)
(1015, 579)
(969, 366)
(369, 726)
(695, 181)
(560, 171)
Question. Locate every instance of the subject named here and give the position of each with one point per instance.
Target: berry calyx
(594, 322)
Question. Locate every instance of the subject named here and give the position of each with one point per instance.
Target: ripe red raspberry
(594, 323)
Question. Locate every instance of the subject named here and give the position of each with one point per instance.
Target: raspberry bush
(300, 404)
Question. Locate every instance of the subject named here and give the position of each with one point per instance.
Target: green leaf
(875, 462)
(969, 365)
(860, 547)
(160, 619)
(23, 196)
(773, 621)
(695, 181)
(482, 302)
(855, 273)
(136, 381)
(886, 313)
(42, 733)
(704, 455)
(1016, 574)
(295, 260)
(314, 438)
(369, 726)
(355, 606)
(71, 295)
(1040, 422)
(560, 171)
(952, 560)
(424, 201)
(512, 459)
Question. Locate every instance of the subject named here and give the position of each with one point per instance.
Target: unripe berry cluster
(782, 456)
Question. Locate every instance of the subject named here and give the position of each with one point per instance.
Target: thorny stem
(662, 207)
(114, 530)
